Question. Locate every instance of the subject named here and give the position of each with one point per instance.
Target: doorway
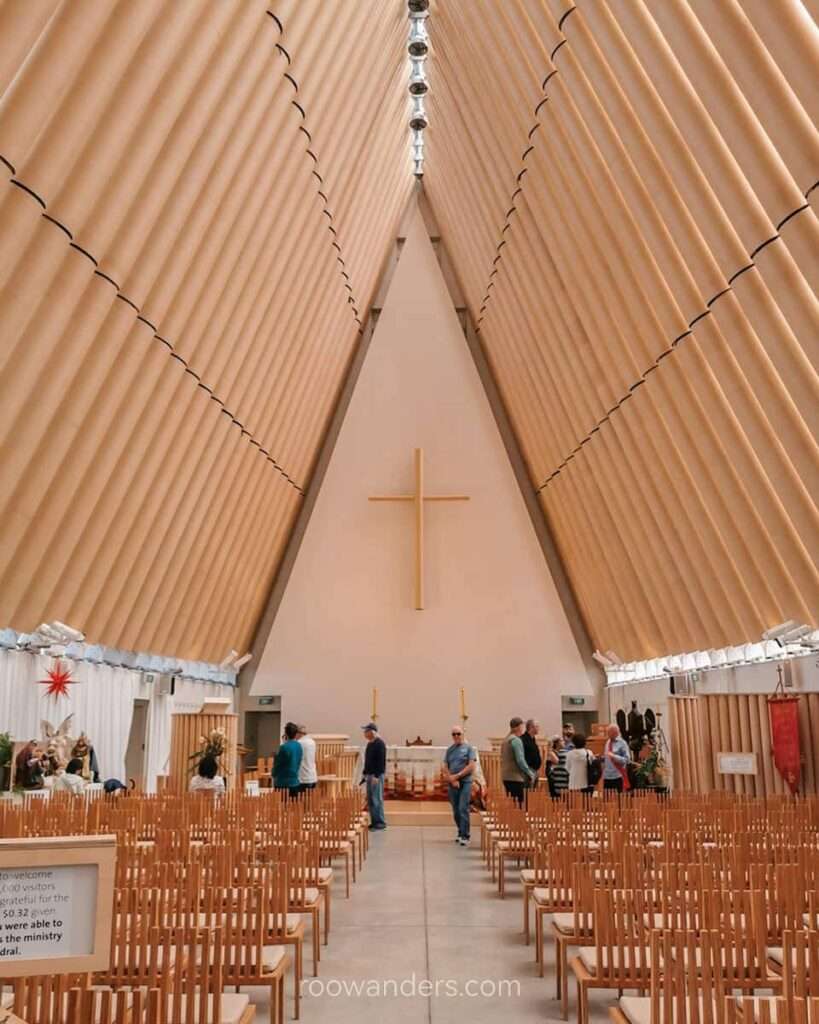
(137, 740)
(581, 720)
(262, 734)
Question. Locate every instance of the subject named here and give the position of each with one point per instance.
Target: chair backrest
(749, 1010)
(194, 995)
(621, 938)
(800, 964)
(739, 915)
(687, 982)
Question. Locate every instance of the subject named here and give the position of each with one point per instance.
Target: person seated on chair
(207, 778)
(288, 761)
(70, 781)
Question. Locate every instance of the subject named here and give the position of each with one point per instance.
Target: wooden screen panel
(702, 727)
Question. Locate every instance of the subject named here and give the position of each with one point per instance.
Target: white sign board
(736, 764)
(56, 904)
(47, 912)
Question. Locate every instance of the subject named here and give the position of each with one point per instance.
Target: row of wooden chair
(610, 873)
(211, 893)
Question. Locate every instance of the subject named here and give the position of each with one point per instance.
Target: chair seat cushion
(588, 957)
(505, 845)
(565, 923)
(636, 1008)
(777, 954)
(546, 896)
(324, 875)
(272, 957)
(309, 895)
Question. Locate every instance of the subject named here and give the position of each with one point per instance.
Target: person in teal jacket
(288, 760)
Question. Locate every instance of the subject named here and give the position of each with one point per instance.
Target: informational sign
(56, 904)
(48, 911)
(736, 764)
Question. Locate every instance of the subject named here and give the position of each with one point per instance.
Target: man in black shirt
(375, 767)
(531, 751)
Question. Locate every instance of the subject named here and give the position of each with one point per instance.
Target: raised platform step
(421, 812)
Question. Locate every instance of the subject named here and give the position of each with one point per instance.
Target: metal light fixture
(418, 120)
(418, 87)
(418, 45)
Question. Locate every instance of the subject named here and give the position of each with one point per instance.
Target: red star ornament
(59, 679)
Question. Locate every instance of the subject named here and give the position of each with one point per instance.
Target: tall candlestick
(374, 714)
(463, 704)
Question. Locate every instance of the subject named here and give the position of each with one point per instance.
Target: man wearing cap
(375, 765)
(459, 766)
(515, 772)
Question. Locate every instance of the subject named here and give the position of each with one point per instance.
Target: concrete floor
(425, 910)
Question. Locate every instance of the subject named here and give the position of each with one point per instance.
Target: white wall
(760, 678)
(493, 621)
(102, 702)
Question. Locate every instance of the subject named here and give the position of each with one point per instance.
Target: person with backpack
(584, 767)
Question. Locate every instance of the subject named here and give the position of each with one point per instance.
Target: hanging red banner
(784, 715)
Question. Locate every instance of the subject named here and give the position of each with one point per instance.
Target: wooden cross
(418, 498)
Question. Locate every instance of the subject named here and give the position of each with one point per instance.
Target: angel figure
(57, 741)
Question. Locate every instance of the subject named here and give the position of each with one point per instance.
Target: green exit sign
(265, 701)
(577, 702)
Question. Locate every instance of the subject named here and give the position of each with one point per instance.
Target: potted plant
(6, 752)
(212, 745)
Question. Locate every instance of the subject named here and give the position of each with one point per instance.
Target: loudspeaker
(167, 685)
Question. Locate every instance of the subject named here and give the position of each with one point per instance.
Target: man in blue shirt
(459, 764)
(615, 759)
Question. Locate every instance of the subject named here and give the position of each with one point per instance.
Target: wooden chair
(334, 844)
(575, 928)
(517, 844)
(678, 994)
(196, 995)
(755, 1010)
(620, 957)
(555, 896)
(248, 959)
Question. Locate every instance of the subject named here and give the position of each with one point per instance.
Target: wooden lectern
(187, 731)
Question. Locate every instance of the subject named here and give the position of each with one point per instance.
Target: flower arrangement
(652, 770)
(212, 745)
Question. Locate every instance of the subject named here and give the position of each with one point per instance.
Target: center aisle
(424, 913)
